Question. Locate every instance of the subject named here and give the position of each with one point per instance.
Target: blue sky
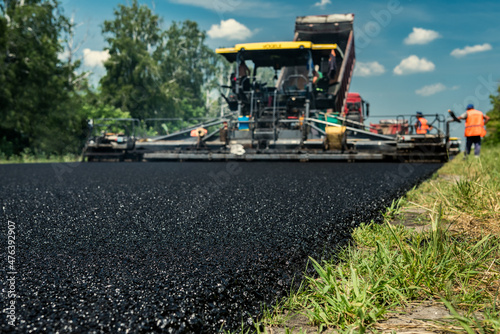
(411, 55)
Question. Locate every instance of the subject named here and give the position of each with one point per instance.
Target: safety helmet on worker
(470, 106)
(419, 114)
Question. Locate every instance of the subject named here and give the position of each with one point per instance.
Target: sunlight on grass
(389, 266)
(29, 157)
(468, 190)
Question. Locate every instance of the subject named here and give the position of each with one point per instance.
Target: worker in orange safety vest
(422, 127)
(474, 129)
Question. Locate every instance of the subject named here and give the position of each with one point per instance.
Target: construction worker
(422, 127)
(332, 67)
(243, 70)
(474, 129)
(244, 76)
(317, 76)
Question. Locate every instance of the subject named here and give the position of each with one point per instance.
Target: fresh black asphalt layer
(175, 247)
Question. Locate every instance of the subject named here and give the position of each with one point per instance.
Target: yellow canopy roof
(275, 46)
(270, 53)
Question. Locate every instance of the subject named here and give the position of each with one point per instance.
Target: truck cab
(356, 109)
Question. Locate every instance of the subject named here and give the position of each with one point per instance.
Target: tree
(191, 65)
(132, 81)
(493, 126)
(38, 98)
(155, 73)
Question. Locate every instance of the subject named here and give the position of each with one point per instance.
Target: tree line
(493, 126)
(46, 100)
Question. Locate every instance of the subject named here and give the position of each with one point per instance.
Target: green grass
(389, 266)
(30, 157)
(467, 190)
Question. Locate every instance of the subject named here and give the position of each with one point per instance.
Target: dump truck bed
(338, 29)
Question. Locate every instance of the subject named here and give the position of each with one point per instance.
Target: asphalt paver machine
(295, 115)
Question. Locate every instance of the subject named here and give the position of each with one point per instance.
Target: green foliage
(390, 266)
(189, 62)
(132, 71)
(493, 126)
(267, 75)
(488, 323)
(395, 208)
(37, 89)
(103, 111)
(28, 156)
(153, 73)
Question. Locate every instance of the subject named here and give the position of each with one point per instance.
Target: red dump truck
(356, 109)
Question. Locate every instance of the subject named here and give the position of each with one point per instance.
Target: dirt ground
(421, 318)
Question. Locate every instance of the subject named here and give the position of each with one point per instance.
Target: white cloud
(413, 64)
(322, 4)
(368, 69)
(421, 36)
(93, 58)
(431, 89)
(63, 56)
(471, 49)
(229, 29)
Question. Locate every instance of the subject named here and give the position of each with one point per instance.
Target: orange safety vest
(424, 127)
(474, 124)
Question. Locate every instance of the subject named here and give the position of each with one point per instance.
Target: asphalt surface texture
(174, 247)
